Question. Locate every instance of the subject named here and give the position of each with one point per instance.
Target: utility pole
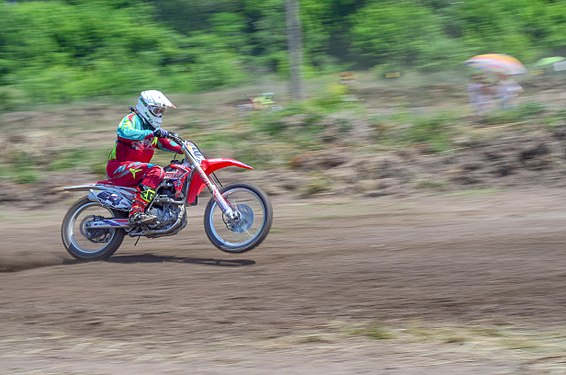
(295, 47)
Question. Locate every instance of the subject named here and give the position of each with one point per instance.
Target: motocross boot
(144, 195)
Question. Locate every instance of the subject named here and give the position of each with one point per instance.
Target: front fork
(222, 203)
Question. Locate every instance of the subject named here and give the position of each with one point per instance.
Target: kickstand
(138, 240)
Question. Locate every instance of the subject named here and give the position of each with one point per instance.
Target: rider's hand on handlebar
(160, 133)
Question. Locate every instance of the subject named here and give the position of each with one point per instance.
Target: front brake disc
(243, 221)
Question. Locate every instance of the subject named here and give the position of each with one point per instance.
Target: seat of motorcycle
(109, 182)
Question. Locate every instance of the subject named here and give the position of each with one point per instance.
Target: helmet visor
(155, 110)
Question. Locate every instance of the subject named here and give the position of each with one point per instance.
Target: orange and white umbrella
(497, 63)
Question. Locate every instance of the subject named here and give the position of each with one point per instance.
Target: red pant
(145, 176)
(131, 173)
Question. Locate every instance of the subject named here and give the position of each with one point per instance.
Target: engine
(166, 214)
(170, 213)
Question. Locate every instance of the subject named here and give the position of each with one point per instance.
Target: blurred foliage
(61, 50)
(432, 132)
(315, 184)
(381, 33)
(516, 114)
(19, 169)
(376, 332)
(91, 160)
(301, 122)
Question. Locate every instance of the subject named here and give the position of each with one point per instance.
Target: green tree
(55, 51)
(485, 26)
(386, 32)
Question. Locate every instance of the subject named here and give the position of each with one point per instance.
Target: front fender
(210, 166)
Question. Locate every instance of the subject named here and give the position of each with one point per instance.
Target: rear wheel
(254, 215)
(86, 243)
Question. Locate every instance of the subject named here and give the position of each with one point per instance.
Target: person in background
(138, 135)
(480, 93)
(507, 90)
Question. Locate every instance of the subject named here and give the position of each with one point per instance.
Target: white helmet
(151, 105)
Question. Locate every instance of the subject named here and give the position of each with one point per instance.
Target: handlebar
(192, 152)
(175, 137)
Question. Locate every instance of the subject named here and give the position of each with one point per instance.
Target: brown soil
(427, 284)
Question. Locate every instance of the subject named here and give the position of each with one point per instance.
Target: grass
(484, 337)
(93, 160)
(477, 337)
(476, 192)
(543, 351)
(514, 115)
(315, 184)
(528, 348)
(21, 170)
(491, 338)
(434, 133)
(430, 184)
(67, 160)
(374, 331)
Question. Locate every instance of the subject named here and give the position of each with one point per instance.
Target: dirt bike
(237, 218)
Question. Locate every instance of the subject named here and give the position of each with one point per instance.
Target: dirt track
(452, 284)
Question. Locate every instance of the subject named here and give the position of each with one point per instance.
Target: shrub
(517, 114)
(403, 128)
(10, 99)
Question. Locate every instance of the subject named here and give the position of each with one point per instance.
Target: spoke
(235, 233)
(83, 235)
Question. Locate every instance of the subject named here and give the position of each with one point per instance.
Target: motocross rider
(139, 134)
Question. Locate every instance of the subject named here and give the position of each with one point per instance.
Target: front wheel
(254, 216)
(85, 242)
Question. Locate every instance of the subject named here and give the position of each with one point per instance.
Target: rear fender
(100, 186)
(112, 196)
(210, 166)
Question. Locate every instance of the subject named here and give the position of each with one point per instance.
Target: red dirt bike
(237, 218)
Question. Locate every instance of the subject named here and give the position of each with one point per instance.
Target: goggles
(157, 110)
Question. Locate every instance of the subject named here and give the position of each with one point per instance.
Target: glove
(160, 133)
